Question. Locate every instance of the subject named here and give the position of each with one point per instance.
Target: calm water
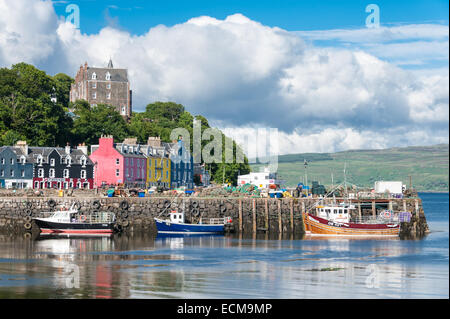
(229, 267)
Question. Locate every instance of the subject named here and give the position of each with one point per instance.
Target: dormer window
(68, 160)
(108, 76)
(94, 76)
(83, 161)
(40, 160)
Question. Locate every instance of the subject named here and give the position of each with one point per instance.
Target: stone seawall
(249, 215)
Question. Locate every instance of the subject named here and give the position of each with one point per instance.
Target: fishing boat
(176, 225)
(71, 221)
(336, 220)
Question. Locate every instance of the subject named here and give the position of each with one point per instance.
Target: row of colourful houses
(156, 163)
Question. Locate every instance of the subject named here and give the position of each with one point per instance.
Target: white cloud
(240, 73)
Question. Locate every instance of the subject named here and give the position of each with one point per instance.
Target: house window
(108, 76)
(108, 86)
(23, 159)
(131, 160)
(36, 184)
(117, 161)
(3, 161)
(117, 172)
(22, 173)
(12, 161)
(123, 110)
(94, 76)
(83, 174)
(94, 85)
(108, 95)
(2, 172)
(52, 162)
(66, 173)
(83, 161)
(39, 160)
(41, 172)
(94, 95)
(52, 173)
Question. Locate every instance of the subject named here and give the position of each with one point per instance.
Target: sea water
(149, 266)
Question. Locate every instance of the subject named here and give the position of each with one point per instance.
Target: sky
(315, 71)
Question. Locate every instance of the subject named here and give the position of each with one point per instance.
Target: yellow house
(158, 170)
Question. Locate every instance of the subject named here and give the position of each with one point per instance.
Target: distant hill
(427, 166)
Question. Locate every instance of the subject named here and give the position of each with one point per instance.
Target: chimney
(67, 148)
(23, 146)
(106, 141)
(154, 141)
(83, 148)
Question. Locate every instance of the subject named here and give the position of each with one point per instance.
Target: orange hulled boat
(336, 220)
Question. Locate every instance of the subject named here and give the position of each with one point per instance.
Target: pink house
(121, 163)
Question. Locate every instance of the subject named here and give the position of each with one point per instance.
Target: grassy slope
(427, 165)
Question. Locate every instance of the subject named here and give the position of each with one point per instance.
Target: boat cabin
(176, 217)
(340, 214)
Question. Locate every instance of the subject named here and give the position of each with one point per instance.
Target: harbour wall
(279, 218)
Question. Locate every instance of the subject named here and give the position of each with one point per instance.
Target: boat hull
(49, 227)
(317, 225)
(164, 226)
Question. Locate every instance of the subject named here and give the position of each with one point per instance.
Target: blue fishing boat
(176, 225)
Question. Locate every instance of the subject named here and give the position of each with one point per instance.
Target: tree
(62, 88)
(26, 108)
(93, 122)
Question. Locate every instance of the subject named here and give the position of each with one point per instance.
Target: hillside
(427, 166)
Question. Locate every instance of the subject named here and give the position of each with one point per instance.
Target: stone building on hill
(103, 85)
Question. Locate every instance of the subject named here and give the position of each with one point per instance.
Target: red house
(118, 163)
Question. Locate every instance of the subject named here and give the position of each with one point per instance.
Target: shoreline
(437, 192)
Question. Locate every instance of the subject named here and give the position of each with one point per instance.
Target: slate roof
(119, 75)
(35, 151)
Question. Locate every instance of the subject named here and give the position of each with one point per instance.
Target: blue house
(16, 169)
(182, 165)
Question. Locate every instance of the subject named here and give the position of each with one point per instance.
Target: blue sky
(137, 16)
(310, 69)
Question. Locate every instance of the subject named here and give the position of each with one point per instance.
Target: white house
(260, 179)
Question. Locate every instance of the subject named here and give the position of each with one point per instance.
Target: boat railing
(216, 221)
(375, 220)
(99, 217)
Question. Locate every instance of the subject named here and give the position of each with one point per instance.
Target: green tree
(26, 108)
(62, 88)
(93, 122)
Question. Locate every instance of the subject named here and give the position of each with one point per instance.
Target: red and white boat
(73, 222)
(335, 220)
